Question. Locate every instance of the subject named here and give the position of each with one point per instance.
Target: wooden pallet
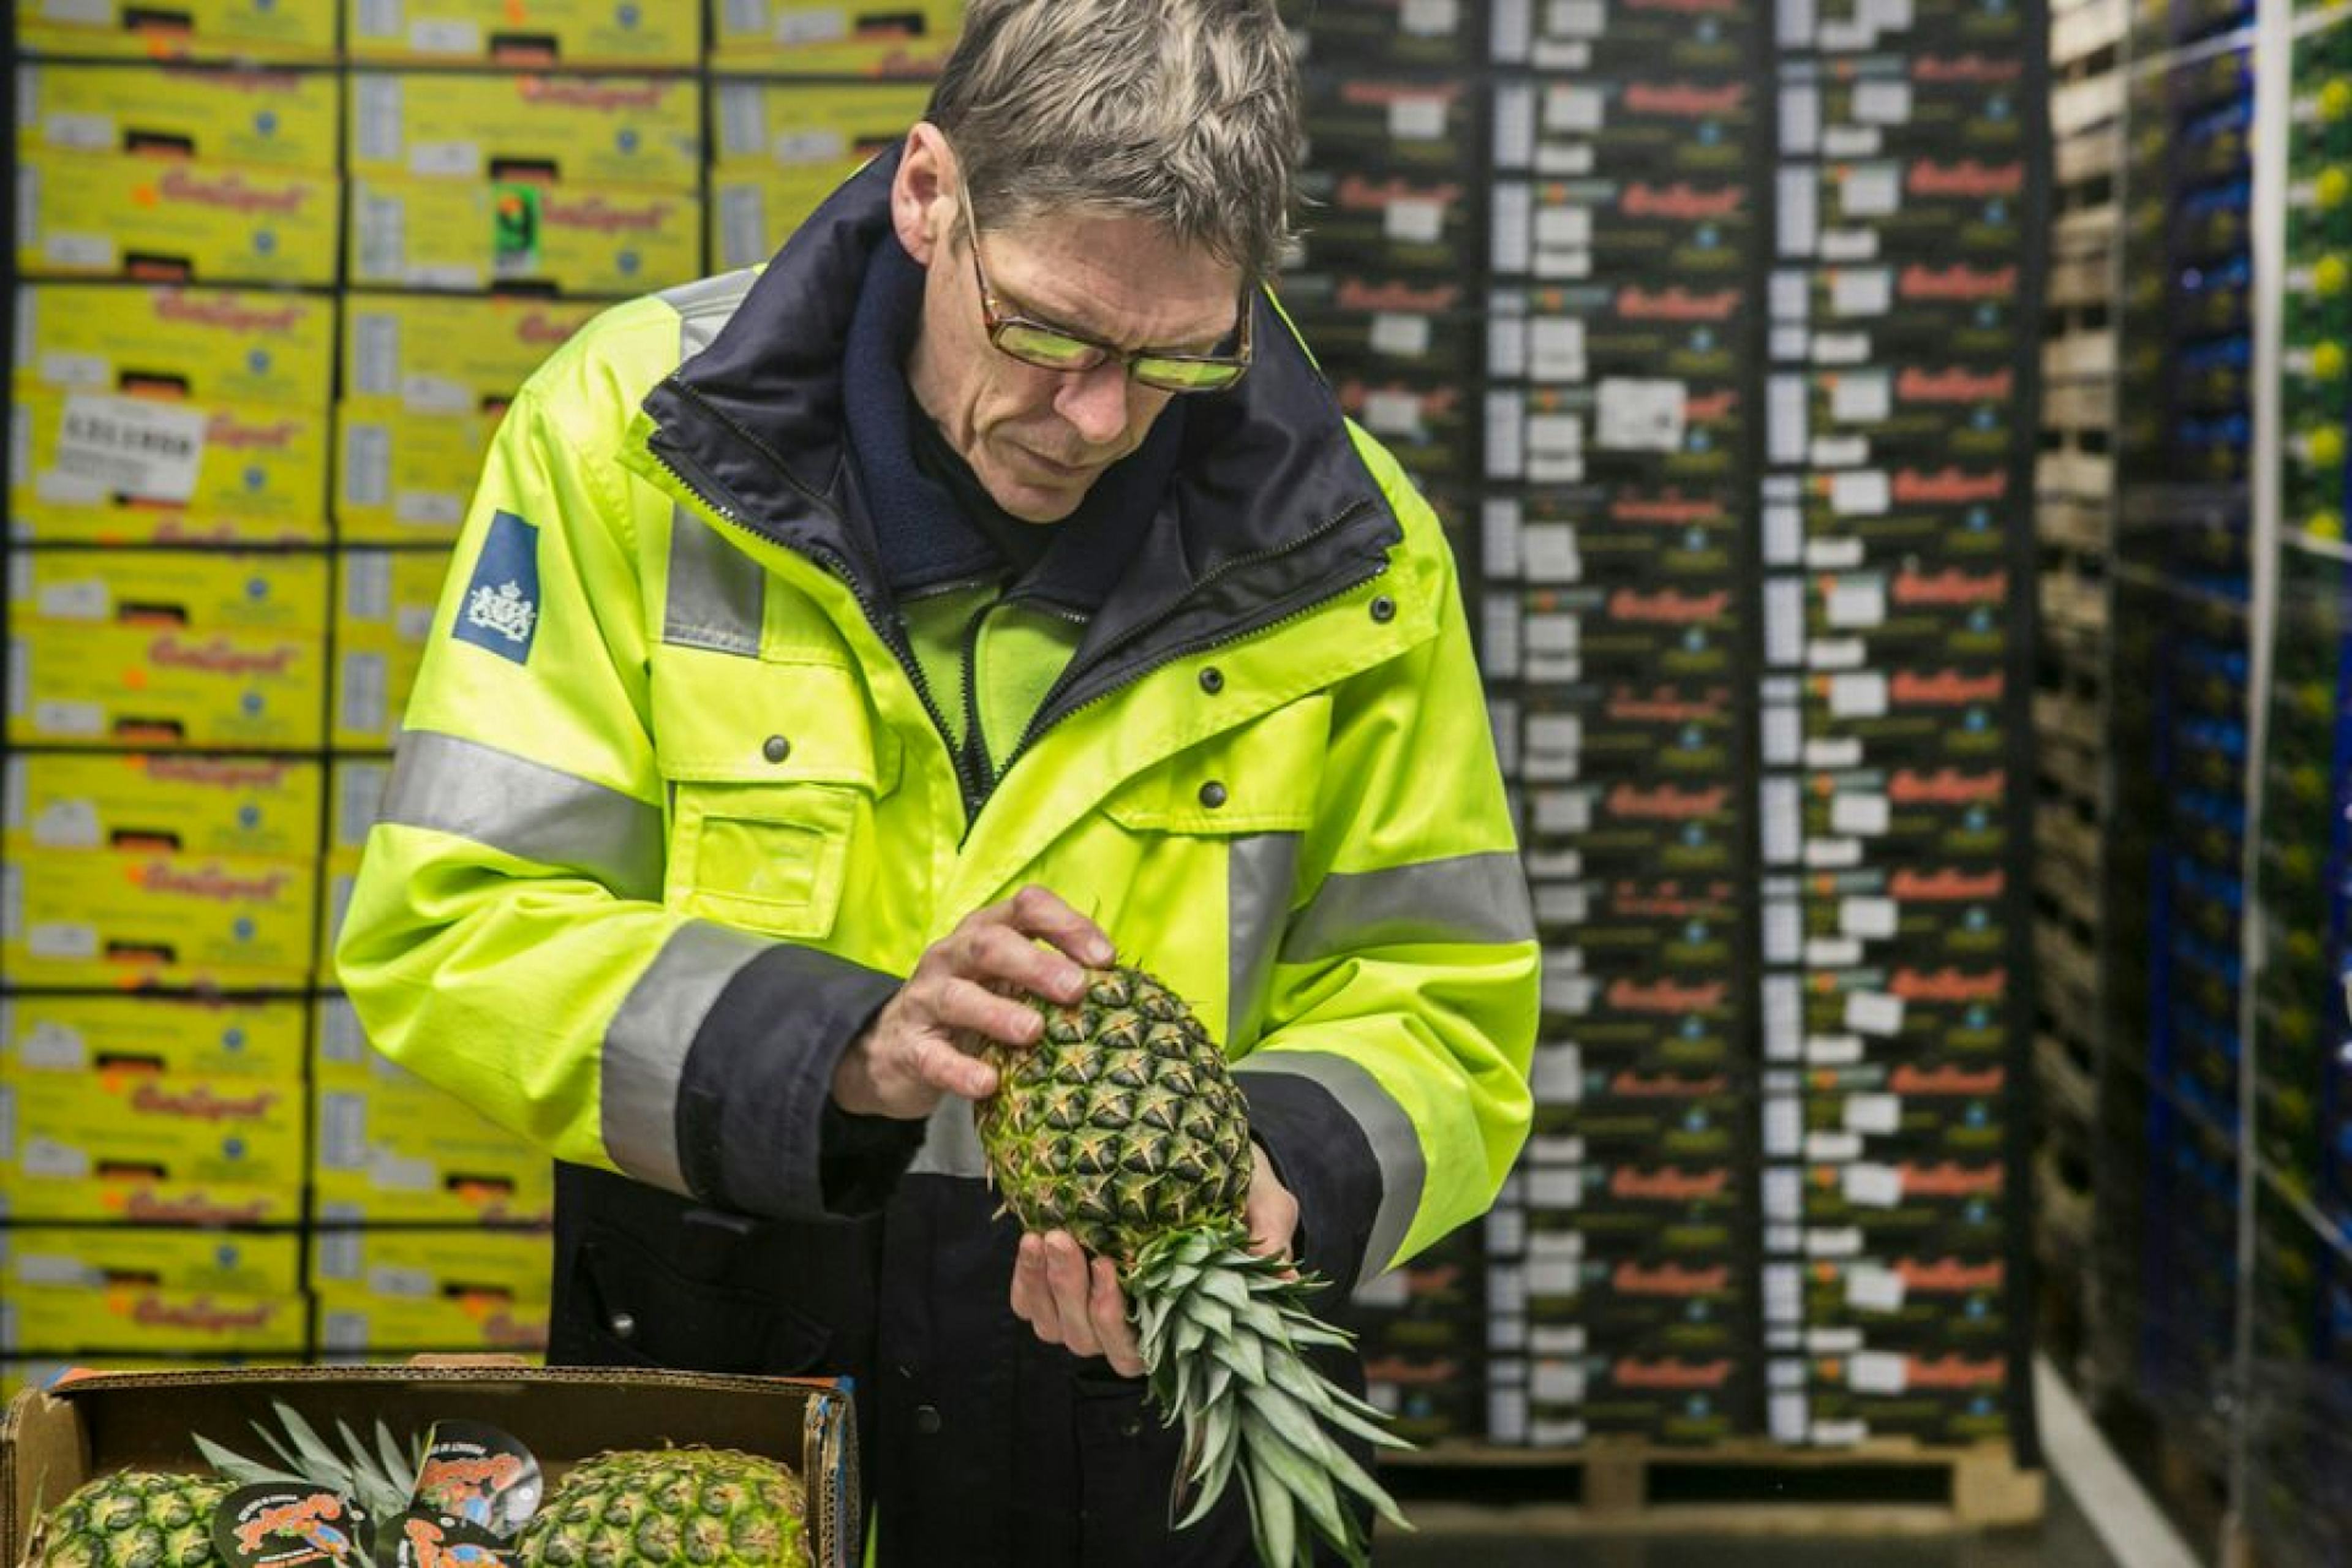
(1887, 1486)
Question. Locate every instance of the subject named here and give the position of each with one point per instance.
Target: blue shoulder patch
(501, 608)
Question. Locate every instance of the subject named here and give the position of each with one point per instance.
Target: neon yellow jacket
(672, 814)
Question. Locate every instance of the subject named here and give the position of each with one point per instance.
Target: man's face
(1038, 439)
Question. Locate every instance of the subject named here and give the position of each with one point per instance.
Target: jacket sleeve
(1389, 1082)
(507, 938)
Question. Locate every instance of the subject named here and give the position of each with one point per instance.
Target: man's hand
(923, 1042)
(1074, 1301)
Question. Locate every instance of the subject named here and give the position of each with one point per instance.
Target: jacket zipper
(974, 744)
(890, 628)
(1040, 722)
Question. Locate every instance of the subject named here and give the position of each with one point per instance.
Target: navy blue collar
(922, 538)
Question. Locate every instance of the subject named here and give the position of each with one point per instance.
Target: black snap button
(777, 749)
(1213, 795)
(1131, 1427)
(624, 1326)
(927, 1419)
(1212, 680)
(1384, 609)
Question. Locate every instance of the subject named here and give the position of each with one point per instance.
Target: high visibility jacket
(672, 817)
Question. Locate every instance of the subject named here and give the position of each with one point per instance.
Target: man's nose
(1095, 402)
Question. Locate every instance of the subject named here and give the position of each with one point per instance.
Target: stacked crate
(1617, 619)
(1395, 108)
(1895, 624)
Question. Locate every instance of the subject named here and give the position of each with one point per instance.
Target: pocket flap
(1258, 777)
(723, 718)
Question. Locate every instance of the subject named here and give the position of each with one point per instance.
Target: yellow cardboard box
(103, 918)
(276, 119)
(546, 32)
(94, 1256)
(468, 234)
(390, 1148)
(149, 1147)
(912, 37)
(85, 215)
(128, 686)
(99, 465)
(213, 29)
(150, 1319)
(183, 1035)
(448, 355)
(388, 601)
(264, 807)
(372, 685)
(571, 130)
(200, 591)
(209, 346)
(822, 129)
(476, 1288)
(406, 478)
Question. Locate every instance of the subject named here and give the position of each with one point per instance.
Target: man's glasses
(1057, 347)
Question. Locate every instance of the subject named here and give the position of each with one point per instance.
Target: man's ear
(924, 193)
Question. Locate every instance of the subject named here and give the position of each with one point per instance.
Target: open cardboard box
(52, 1440)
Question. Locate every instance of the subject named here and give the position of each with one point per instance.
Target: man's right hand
(923, 1042)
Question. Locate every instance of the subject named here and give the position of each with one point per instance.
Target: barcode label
(68, 940)
(446, 38)
(367, 586)
(367, 464)
(429, 509)
(361, 693)
(742, 127)
(13, 787)
(12, 902)
(81, 12)
(742, 226)
(342, 1131)
(445, 160)
(380, 18)
(359, 796)
(375, 354)
(378, 99)
(28, 201)
(745, 17)
(340, 1038)
(811, 25)
(80, 720)
(382, 222)
(337, 1253)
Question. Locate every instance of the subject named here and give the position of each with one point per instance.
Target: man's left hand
(1074, 1301)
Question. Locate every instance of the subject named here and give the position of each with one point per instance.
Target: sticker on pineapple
(477, 1476)
(501, 608)
(278, 1524)
(514, 230)
(418, 1539)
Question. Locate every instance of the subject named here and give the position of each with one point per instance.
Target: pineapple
(145, 1518)
(1122, 1126)
(705, 1506)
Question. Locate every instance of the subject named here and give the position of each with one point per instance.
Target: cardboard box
(1674, 122)
(207, 592)
(96, 1257)
(151, 1148)
(389, 599)
(203, 29)
(99, 466)
(113, 686)
(149, 1319)
(872, 39)
(406, 478)
(51, 1441)
(449, 1290)
(103, 918)
(207, 345)
(547, 32)
(179, 1036)
(167, 220)
(1437, 33)
(255, 807)
(265, 118)
(754, 210)
(564, 130)
(473, 234)
(439, 355)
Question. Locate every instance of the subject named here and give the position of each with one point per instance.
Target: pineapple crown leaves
(1222, 1331)
(379, 1480)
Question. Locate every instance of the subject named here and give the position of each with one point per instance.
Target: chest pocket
(1261, 778)
(773, 768)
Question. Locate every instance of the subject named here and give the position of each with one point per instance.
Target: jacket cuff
(1321, 1154)
(753, 1130)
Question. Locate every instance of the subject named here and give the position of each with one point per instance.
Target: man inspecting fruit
(978, 633)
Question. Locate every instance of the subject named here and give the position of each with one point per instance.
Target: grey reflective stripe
(528, 810)
(1396, 1148)
(644, 1048)
(1259, 870)
(704, 307)
(1466, 899)
(950, 1142)
(717, 593)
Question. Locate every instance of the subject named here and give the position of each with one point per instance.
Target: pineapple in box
(1122, 1126)
(145, 1517)
(703, 1506)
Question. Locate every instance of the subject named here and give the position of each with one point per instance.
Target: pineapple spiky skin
(132, 1518)
(1122, 1126)
(715, 1508)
